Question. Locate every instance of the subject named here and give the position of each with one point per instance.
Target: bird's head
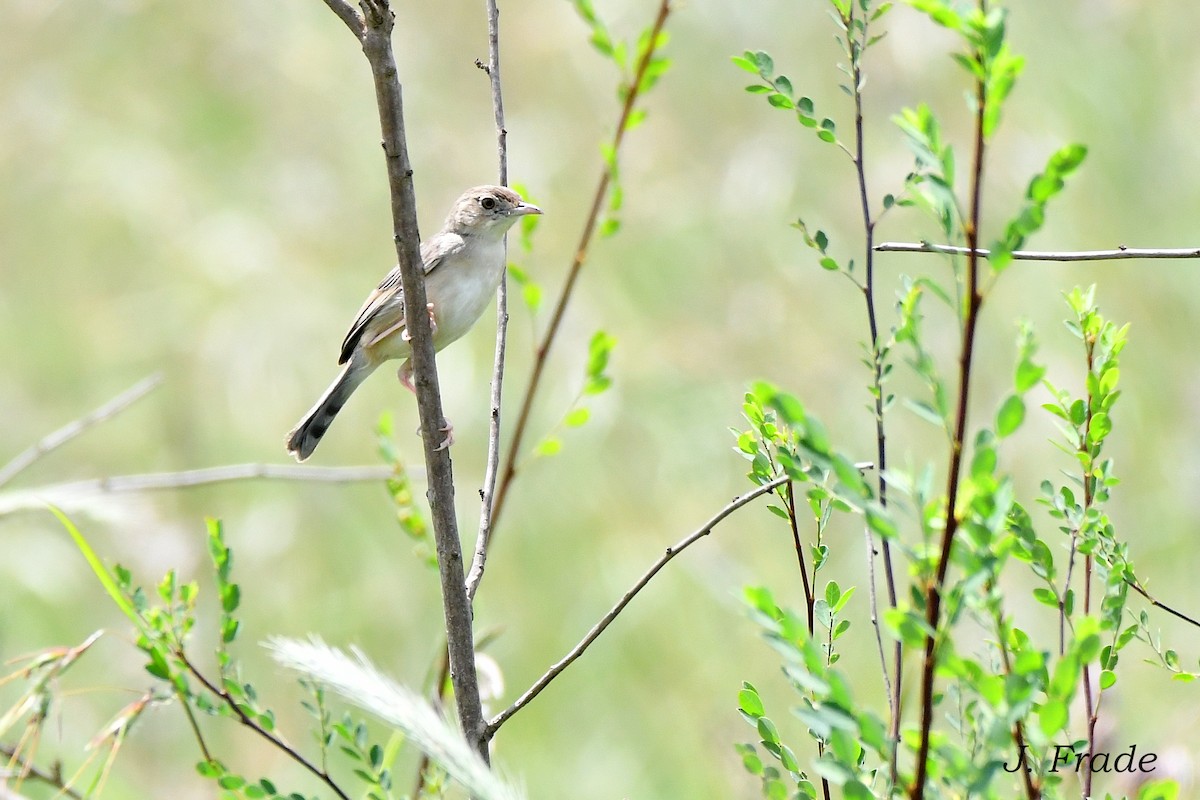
(488, 210)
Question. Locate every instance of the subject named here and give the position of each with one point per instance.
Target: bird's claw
(406, 336)
(447, 429)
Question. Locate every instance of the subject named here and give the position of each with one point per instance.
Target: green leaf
(597, 384)
(1028, 375)
(1045, 596)
(1099, 428)
(925, 412)
(744, 63)
(102, 574)
(764, 62)
(940, 12)
(749, 701)
(1052, 717)
(880, 522)
(599, 349)
(231, 596)
(577, 417)
(1010, 416)
(550, 446)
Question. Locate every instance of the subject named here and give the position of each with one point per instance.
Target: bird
(463, 262)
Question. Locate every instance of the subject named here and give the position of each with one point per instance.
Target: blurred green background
(197, 188)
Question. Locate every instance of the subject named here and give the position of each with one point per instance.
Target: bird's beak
(524, 209)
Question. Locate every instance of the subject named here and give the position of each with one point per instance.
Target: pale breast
(463, 286)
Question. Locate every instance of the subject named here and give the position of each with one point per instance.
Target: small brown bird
(463, 266)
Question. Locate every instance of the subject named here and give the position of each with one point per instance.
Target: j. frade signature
(1100, 761)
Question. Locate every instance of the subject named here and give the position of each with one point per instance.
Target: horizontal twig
(231, 472)
(554, 671)
(72, 429)
(68, 491)
(1044, 255)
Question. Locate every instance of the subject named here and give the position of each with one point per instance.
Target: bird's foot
(405, 374)
(448, 429)
(406, 336)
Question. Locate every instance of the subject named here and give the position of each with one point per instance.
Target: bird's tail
(303, 439)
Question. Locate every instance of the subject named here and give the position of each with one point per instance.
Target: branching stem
(670, 553)
(509, 471)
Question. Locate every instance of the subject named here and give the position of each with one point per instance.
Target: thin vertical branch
(1032, 790)
(810, 600)
(933, 594)
(1062, 599)
(893, 683)
(375, 36)
(488, 492)
(1091, 703)
(509, 471)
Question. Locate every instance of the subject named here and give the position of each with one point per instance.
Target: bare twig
(810, 600)
(578, 650)
(52, 777)
(581, 252)
(488, 492)
(375, 35)
(80, 493)
(1137, 587)
(1044, 255)
(76, 427)
(195, 726)
(349, 15)
(893, 682)
(203, 476)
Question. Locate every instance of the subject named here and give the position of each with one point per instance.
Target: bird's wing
(383, 310)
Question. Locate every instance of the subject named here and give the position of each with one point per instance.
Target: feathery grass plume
(357, 680)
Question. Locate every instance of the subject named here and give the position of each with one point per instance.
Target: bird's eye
(488, 203)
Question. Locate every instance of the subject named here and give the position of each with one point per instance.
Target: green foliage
(164, 630)
(844, 735)
(1029, 219)
(366, 758)
(596, 381)
(638, 76)
(778, 91)
(531, 290)
(931, 183)
(1017, 695)
(399, 486)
